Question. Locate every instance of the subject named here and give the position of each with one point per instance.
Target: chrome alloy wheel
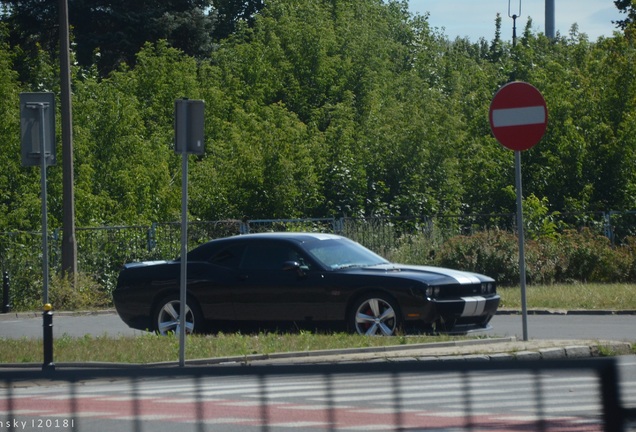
(375, 316)
(168, 318)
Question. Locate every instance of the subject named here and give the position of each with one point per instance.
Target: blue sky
(476, 18)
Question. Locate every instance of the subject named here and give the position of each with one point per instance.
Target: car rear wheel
(167, 316)
(375, 315)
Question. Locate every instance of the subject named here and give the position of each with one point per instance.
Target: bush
(589, 257)
(571, 257)
(86, 295)
(492, 252)
(414, 249)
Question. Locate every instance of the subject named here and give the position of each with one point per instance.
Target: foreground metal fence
(398, 396)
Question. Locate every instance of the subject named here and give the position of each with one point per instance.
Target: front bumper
(467, 308)
(466, 314)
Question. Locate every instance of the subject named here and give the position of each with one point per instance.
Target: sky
(476, 18)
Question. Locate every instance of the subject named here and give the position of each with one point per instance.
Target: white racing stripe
(461, 277)
(473, 306)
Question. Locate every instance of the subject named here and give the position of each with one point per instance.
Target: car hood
(145, 264)
(428, 274)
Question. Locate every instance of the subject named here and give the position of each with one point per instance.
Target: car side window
(229, 257)
(269, 257)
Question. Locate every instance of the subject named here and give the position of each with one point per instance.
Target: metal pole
(514, 21)
(520, 229)
(522, 258)
(184, 238)
(549, 19)
(47, 345)
(69, 243)
(45, 241)
(6, 305)
(47, 315)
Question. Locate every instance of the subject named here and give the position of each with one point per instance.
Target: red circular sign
(518, 116)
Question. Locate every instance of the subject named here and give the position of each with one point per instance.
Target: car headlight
(432, 291)
(487, 287)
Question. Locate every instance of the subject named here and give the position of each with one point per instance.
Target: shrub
(574, 256)
(87, 294)
(414, 249)
(492, 252)
(543, 261)
(589, 257)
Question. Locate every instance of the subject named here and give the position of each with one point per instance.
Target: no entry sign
(518, 116)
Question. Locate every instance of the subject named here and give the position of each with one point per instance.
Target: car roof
(297, 236)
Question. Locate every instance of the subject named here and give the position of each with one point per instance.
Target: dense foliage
(107, 32)
(327, 107)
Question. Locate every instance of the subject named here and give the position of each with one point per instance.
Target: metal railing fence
(103, 250)
(137, 391)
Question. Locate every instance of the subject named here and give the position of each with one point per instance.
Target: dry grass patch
(575, 296)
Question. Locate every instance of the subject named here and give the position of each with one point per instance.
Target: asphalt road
(589, 327)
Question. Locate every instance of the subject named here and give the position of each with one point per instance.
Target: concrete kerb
(505, 311)
(496, 349)
(476, 350)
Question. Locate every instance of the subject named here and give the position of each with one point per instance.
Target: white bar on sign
(518, 116)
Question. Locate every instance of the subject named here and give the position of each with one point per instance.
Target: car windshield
(343, 253)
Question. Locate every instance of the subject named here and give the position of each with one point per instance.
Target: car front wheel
(375, 315)
(167, 317)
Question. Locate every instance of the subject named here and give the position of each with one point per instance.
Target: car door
(213, 278)
(273, 288)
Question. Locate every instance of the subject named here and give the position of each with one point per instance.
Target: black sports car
(302, 278)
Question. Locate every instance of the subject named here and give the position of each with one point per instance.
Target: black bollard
(6, 306)
(47, 319)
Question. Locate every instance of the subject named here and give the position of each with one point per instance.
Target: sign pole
(522, 257)
(518, 118)
(189, 131)
(47, 315)
(37, 142)
(183, 115)
(45, 243)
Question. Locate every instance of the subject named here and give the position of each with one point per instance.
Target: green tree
(9, 140)
(110, 32)
(627, 7)
(232, 12)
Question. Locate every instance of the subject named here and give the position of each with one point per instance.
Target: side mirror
(295, 265)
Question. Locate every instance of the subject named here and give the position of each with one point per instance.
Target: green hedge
(574, 256)
(569, 257)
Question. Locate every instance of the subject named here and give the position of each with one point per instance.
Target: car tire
(375, 315)
(166, 317)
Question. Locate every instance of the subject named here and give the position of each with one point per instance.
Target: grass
(150, 348)
(575, 296)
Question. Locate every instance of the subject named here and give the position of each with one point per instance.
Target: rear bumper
(135, 314)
